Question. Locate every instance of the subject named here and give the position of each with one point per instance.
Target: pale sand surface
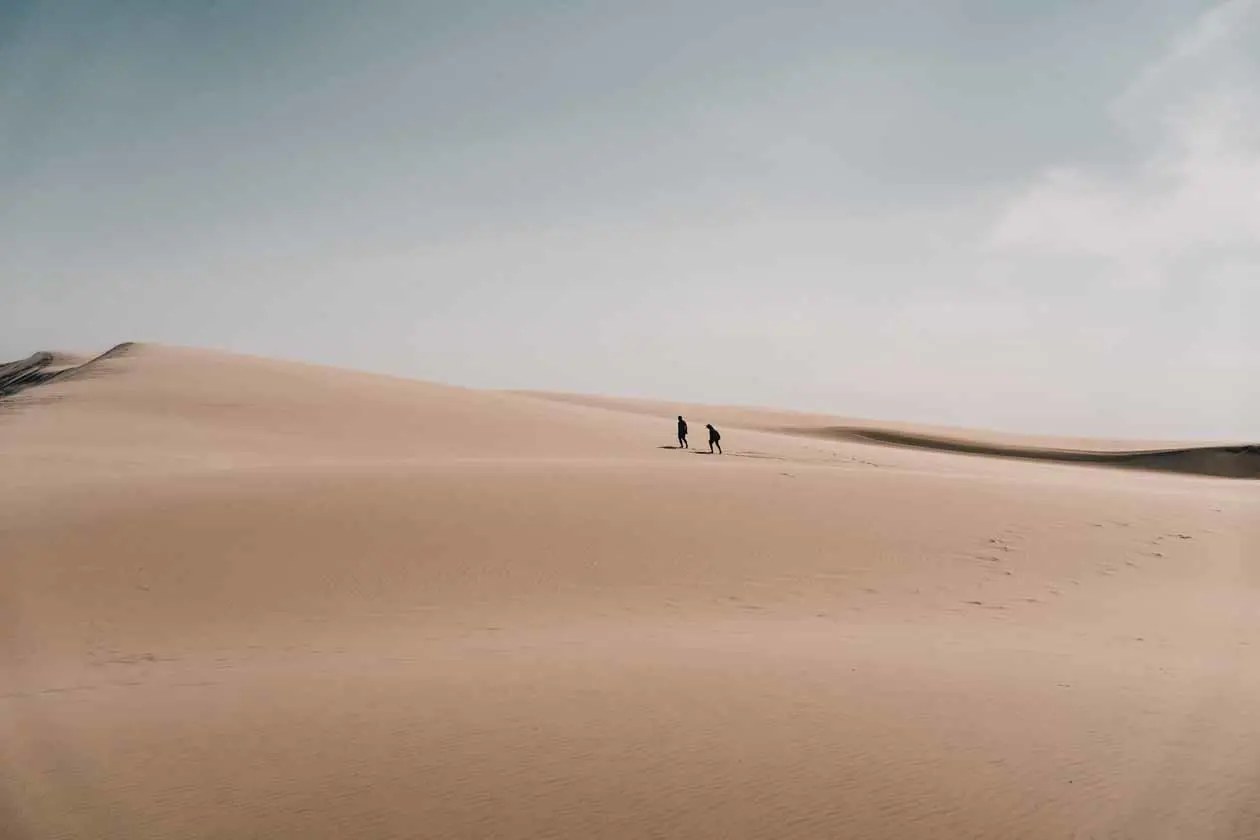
(252, 599)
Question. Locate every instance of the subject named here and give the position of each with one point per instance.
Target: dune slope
(244, 598)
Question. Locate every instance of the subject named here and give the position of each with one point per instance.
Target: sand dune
(45, 367)
(1229, 460)
(246, 598)
(1240, 461)
(24, 373)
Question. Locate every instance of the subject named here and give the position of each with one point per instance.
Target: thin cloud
(1215, 31)
(1195, 195)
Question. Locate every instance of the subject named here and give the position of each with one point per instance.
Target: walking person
(682, 433)
(714, 439)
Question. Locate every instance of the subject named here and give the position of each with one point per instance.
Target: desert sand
(253, 599)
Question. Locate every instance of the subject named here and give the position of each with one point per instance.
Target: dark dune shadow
(15, 376)
(40, 369)
(1241, 461)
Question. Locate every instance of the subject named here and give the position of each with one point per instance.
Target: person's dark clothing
(682, 433)
(714, 438)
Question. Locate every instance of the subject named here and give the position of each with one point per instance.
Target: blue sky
(1039, 216)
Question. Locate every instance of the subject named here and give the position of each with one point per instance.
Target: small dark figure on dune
(714, 438)
(682, 433)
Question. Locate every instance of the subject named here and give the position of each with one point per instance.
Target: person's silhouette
(714, 439)
(682, 433)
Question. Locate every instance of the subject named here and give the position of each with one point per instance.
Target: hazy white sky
(1037, 215)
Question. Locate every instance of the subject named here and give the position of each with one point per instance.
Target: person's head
(679, 416)
(708, 425)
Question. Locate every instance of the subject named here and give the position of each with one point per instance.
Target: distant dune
(249, 598)
(1225, 460)
(1242, 461)
(45, 367)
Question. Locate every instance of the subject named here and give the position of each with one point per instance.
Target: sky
(1028, 215)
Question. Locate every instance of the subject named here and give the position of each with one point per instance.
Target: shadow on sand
(692, 451)
(1237, 461)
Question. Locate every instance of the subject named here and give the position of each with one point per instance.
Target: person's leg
(719, 446)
